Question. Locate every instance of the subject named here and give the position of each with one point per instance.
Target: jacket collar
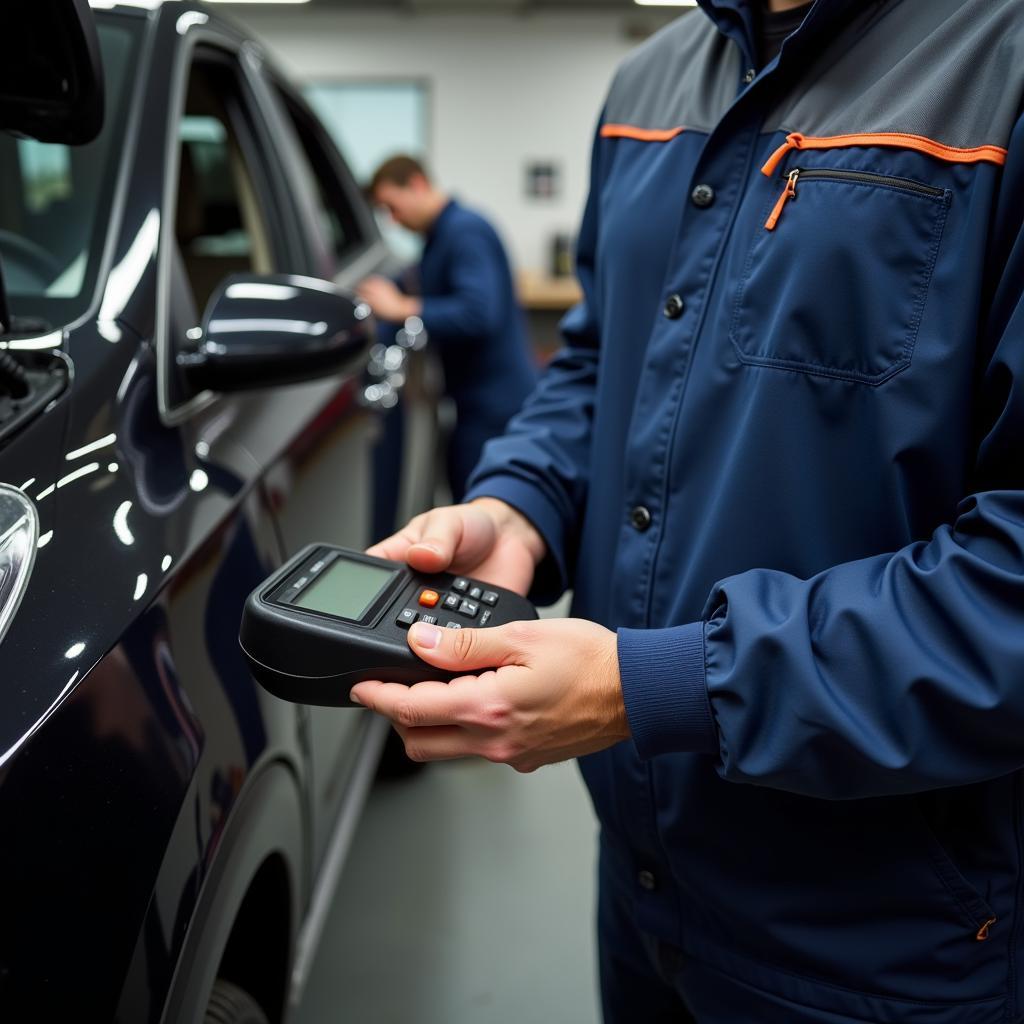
(735, 19)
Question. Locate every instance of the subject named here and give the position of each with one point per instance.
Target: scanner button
(469, 608)
(490, 597)
(407, 616)
(453, 625)
(461, 584)
(451, 602)
(475, 592)
(428, 598)
(485, 616)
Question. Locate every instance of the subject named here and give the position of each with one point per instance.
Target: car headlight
(19, 535)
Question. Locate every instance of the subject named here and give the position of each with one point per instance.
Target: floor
(467, 897)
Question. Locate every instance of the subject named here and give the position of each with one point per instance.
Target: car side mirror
(51, 77)
(266, 330)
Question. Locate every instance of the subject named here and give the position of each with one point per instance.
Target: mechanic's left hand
(387, 300)
(553, 693)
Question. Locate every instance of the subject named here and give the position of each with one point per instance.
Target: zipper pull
(984, 929)
(794, 140)
(789, 192)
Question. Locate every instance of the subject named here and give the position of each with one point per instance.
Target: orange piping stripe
(628, 131)
(951, 154)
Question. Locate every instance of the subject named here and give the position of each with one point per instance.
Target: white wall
(505, 89)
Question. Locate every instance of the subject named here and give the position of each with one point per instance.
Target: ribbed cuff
(664, 689)
(551, 577)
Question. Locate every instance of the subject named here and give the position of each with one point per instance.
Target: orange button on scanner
(428, 598)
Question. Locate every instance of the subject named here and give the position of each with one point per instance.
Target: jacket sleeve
(541, 464)
(468, 312)
(896, 673)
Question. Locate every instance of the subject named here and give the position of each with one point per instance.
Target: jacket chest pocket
(836, 279)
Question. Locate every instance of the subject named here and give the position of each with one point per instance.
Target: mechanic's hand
(485, 539)
(554, 694)
(387, 300)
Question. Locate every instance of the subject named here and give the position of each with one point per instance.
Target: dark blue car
(186, 398)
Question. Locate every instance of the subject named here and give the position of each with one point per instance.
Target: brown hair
(398, 170)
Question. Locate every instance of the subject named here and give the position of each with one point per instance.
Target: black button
(460, 584)
(674, 307)
(469, 608)
(451, 601)
(490, 597)
(430, 620)
(640, 518)
(647, 880)
(702, 196)
(749, 75)
(407, 616)
(485, 617)
(475, 592)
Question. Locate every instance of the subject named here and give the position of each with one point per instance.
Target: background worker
(467, 302)
(780, 463)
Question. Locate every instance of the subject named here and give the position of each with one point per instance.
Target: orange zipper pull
(789, 192)
(984, 929)
(794, 140)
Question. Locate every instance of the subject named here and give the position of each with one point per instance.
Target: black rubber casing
(313, 658)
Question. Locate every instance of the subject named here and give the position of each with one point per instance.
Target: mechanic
(467, 303)
(781, 456)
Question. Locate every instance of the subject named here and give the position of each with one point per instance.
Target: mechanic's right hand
(486, 539)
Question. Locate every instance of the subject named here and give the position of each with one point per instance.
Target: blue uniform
(782, 453)
(474, 321)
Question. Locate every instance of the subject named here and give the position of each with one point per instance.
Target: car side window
(219, 223)
(338, 221)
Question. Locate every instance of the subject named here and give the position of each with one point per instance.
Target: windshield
(55, 201)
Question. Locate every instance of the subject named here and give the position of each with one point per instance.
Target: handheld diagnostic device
(331, 618)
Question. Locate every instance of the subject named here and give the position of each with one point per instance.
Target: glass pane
(369, 122)
(55, 204)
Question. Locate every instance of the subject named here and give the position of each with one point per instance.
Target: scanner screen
(346, 589)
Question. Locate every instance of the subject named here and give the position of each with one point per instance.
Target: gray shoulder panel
(950, 70)
(686, 75)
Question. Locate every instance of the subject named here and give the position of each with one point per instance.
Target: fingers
(468, 650)
(414, 707)
(434, 541)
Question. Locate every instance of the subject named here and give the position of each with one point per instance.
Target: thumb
(465, 650)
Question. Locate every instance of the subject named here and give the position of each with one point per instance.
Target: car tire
(230, 1004)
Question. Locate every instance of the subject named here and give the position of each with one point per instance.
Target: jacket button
(702, 196)
(749, 75)
(646, 880)
(674, 307)
(640, 517)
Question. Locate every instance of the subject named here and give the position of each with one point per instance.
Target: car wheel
(230, 1004)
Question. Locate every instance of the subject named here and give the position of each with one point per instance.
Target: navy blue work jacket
(782, 453)
(473, 320)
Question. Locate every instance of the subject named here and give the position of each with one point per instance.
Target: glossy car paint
(145, 781)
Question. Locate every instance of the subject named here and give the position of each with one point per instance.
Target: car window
(55, 201)
(319, 160)
(219, 220)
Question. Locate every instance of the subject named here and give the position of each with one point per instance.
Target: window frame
(204, 41)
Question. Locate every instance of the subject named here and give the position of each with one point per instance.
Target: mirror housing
(271, 329)
(51, 76)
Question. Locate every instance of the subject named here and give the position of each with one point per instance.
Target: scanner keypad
(465, 598)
